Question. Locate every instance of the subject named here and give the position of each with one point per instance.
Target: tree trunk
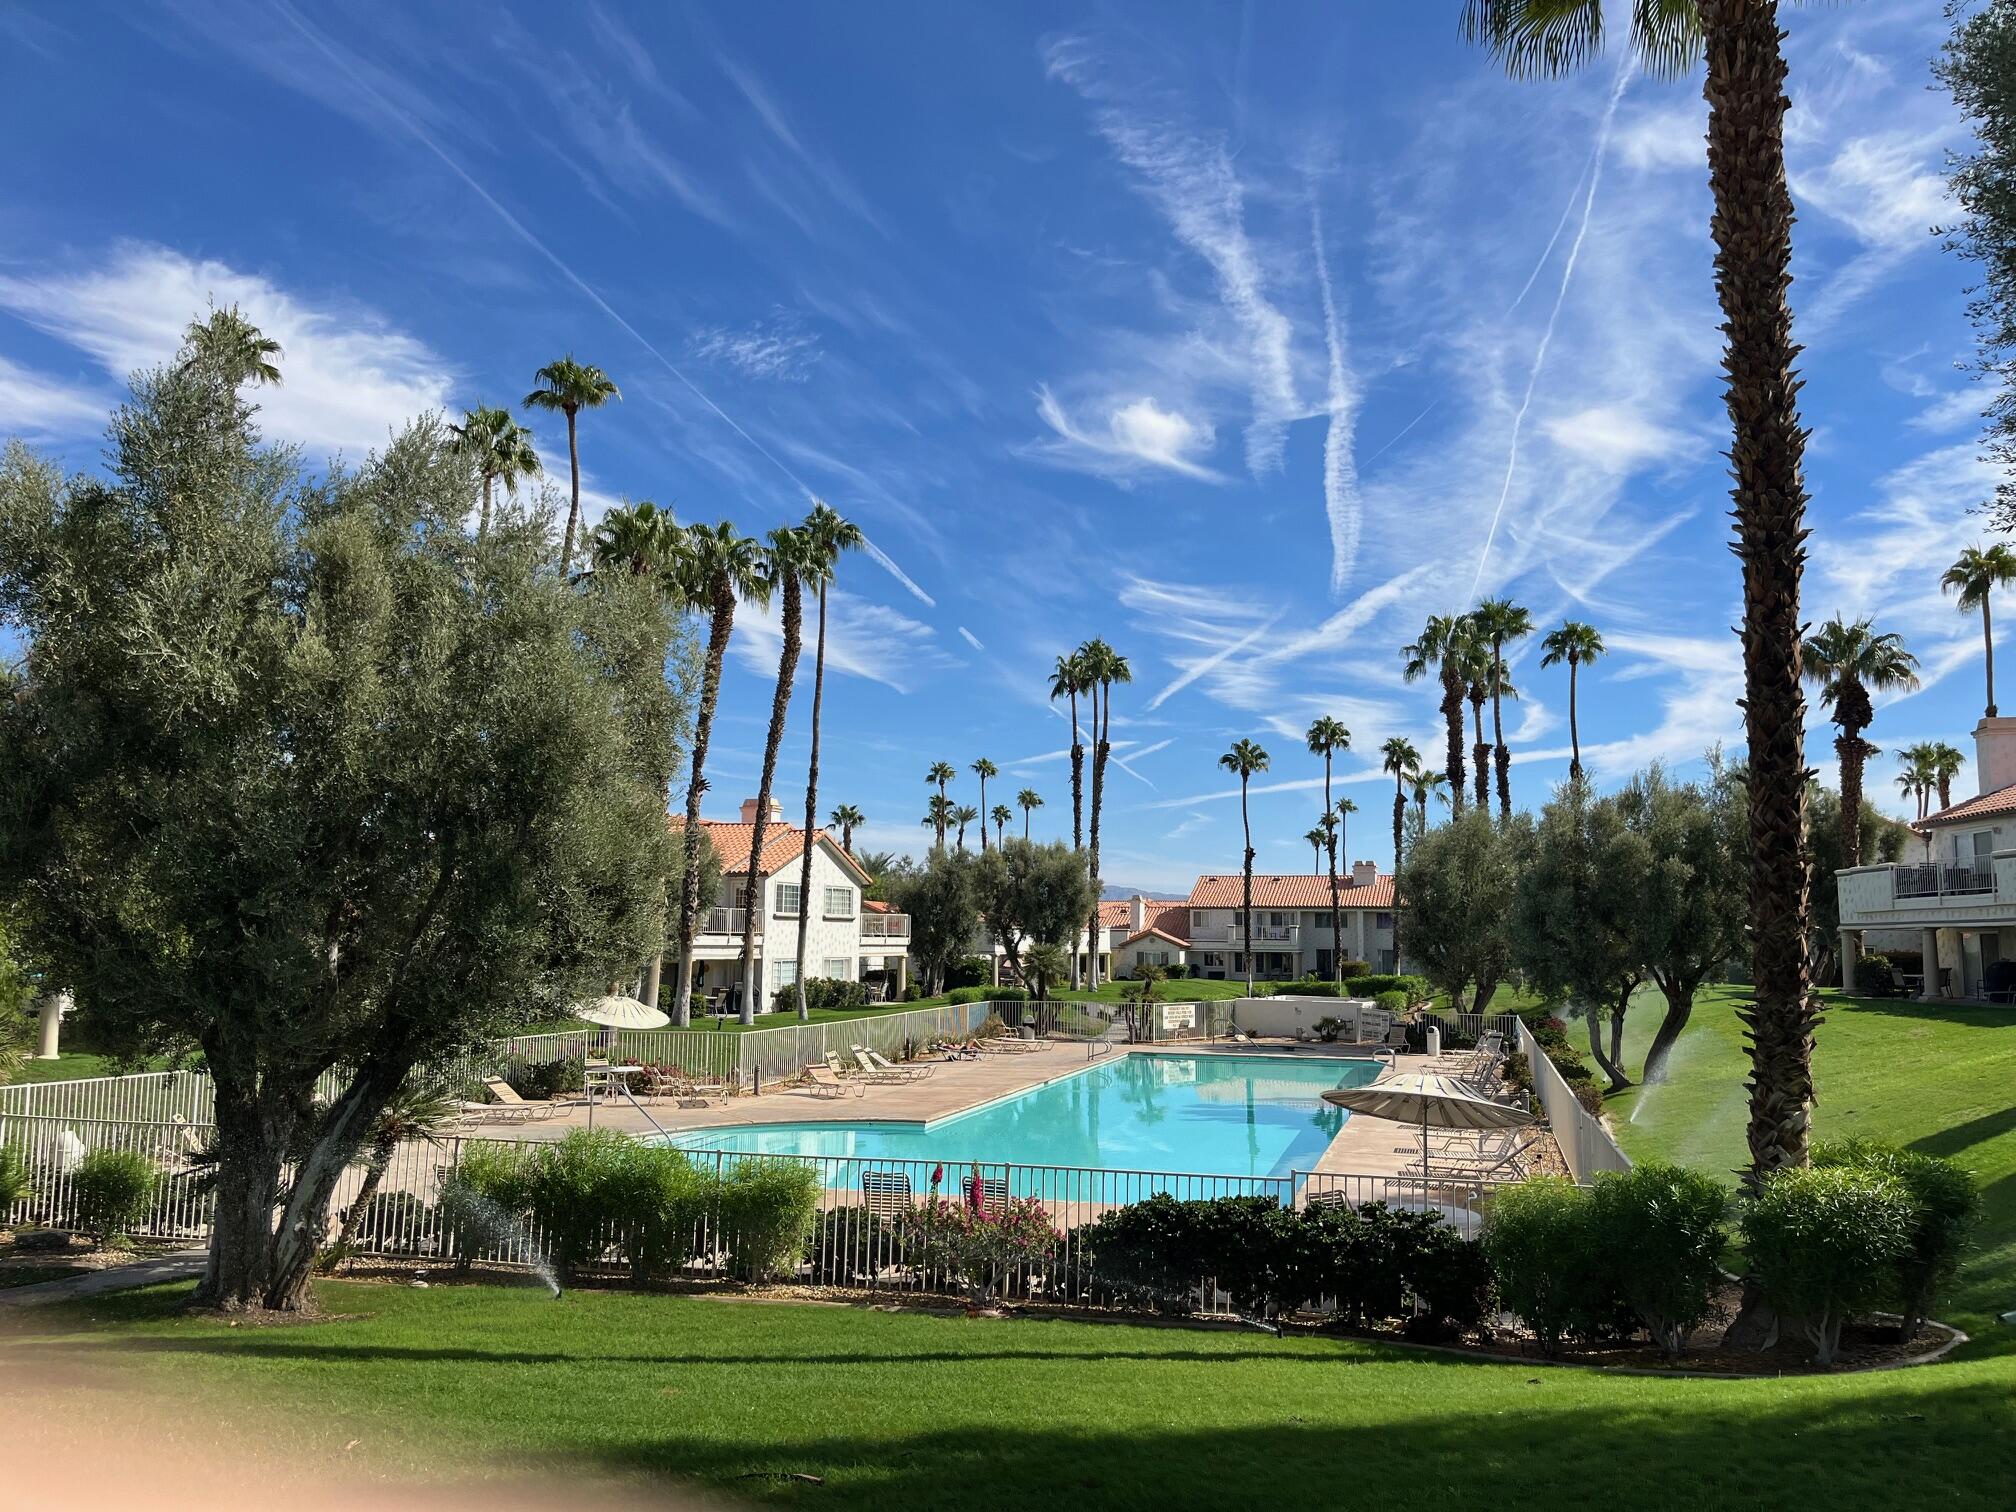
(249, 1149)
(483, 525)
(1247, 895)
(1752, 229)
(1500, 755)
(1988, 648)
(1617, 1012)
(811, 801)
(353, 1216)
(780, 706)
(721, 625)
(983, 813)
(304, 1222)
(1594, 1014)
(653, 971)
(1336, 913)
(1679, 1008)
(574, 507)
(1399, 824)
(1102, 749)
(1574, 728)
(1852, 752)
(1480, 753)
(1452, 717)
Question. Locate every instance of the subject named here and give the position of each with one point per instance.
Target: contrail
(1340, 470)
(1215, 659)
(1553, 317)
(525, 234)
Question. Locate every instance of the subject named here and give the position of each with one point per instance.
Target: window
(839, 902)
(783, 973)
(787, 900)
(835, 969)
(1383, 921)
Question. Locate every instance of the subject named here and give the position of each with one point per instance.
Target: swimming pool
(1218, 1115)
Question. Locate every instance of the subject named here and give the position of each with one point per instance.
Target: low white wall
(1290, 1016)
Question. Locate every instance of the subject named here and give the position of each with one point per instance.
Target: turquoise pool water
(1217, 1115)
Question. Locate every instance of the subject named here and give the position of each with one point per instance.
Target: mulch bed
(60, 1255)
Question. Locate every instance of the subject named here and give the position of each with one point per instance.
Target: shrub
(570, 1190)
(982, 1246)
(1944, 1200)
(1374, 983)
(1449, 1277)
(1328, 1029)
(540, 1080)
(1542, 1248)
(1308, 989)
(1145, 1255)
(821, 994)
(969, 971)
(1516, 1073)
(113, 1189)
(13, 1179)
(1393, 1001)
(1371, 1261)
(1876, 975)
(991, 1027)
(1906, 962)
(767, 1208)
(1824, 1243)
(1662, 1226)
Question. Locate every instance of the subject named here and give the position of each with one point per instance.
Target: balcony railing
(1267, 936)
(725, 921)
(1936, 879)
(885, 926)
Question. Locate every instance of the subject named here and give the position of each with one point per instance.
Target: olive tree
(941, 900)
(303, 769)
(1461, 881)
(1031, 892)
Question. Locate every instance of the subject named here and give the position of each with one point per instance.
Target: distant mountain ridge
(1121, 892)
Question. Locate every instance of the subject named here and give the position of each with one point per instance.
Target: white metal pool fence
(874, 1228)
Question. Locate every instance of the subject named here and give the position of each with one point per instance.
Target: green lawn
(76, 1066)
(900, 1411)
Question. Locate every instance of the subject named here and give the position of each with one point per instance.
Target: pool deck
(1365, 1146)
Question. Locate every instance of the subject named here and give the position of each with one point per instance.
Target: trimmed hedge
(1825, 1243)
(821, 993)
(1661, 1228)
(112, 1189)
(1944, 1200)
(988, 995)
(1374, 983)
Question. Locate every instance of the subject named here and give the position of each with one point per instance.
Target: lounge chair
(823, 1081)
(887, 1193)
(860, 1074)
(875, 1061)
(510, 1107)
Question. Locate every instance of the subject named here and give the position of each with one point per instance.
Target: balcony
(1976, 893)
(726, 921)
(885, 926)
(1271, 937)
(1935, 879)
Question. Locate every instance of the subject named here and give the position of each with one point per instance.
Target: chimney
(1995, 753)
(1364, 873)
(1137, 914)
(775, 816)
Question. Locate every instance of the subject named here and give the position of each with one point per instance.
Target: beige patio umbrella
(621, 1013)
(1430, 1099)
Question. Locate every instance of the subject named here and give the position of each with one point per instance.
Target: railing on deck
(881, 926)
(1941, 880)
(152, 1097)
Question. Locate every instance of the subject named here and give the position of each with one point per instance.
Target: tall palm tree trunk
(811, 804)
(1246, 893)
(1025, 823)
(1101, 749)
(1852, 751)
(780, 705)
(1574, 728)
(1752, 229)
(1501, 756)
(574, 507)
(1988, 647)
(1077, 804)
(483, 525)
(721, 625)
(1336, 916)
(1400, 824)
(1480, 752)
(1452, 716)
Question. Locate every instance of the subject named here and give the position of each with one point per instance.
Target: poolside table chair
(823, 1081)
(887, 1194)
(875, 1062)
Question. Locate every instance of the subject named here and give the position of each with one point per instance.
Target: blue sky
(1245, 337)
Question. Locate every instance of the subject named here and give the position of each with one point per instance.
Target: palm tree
(233, 347)
(783, 565)
(1319, 837)
(1850, 662)
(1000, 814)
(419, 1110)
(1973, 576)
(1245, 758)
(1442, 647)
(1068, 681)
(964, 815)
(1473, 661)
(1103, 668)
(938, 812)
(1914, 780)
(499, 448)
(640, 540)
(1327, 737)
(1943, 763)
(1752, 229)
(846, 818)
(984, 769)
(1342, 814)
(1574, 643)
(570, 387)
(723, 565)
(1501, 622)
(1399, 758)
(941, 773)
(1028, 800)
(826, 536)
(1425, 785)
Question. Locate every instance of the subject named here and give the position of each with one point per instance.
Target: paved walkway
(173, 1267)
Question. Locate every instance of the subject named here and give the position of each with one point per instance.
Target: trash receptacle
(1434, 1042)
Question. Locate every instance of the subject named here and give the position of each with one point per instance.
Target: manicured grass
(1935, 1077)
(77, 1066)
(905, 1410)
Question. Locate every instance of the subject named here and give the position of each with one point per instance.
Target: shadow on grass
(1967, 1015)
(1962, 1137)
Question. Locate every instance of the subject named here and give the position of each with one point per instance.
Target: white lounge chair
(874, 1061)
(824, 1081)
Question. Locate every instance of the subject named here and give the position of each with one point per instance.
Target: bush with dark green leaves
(541, 1080)
(112, 1190)
(822, 994)
(13, 1179)
(1824, 1243)
(1394, 1001)
(1372, 984)
(766, 1210)
(1944, 1202)
(1547, 1258)
(1876, 975)
(1662, 1226)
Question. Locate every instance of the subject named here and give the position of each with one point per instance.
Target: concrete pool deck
(1365, 1146)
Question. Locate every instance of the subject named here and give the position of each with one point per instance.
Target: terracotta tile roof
(876, 905)
(1988, 805)
(1160, 934)
(1290, 892)
(1114, 912)
(782, 845)
(1169, 917)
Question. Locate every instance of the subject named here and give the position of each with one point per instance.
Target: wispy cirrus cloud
(42, 406)
(1140, 435)
(779, 348)
(863, 639)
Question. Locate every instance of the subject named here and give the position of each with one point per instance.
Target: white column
(1851, 952)
(52, 1009)
(1930, 946)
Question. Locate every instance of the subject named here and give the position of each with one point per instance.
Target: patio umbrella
(621, 1013)
(1431, 1100)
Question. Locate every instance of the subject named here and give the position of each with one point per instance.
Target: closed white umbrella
(621, 1013)
(1432, 1100)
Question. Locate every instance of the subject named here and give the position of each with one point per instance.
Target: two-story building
(1291, 933)
(849, 938)
(1953, 897)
